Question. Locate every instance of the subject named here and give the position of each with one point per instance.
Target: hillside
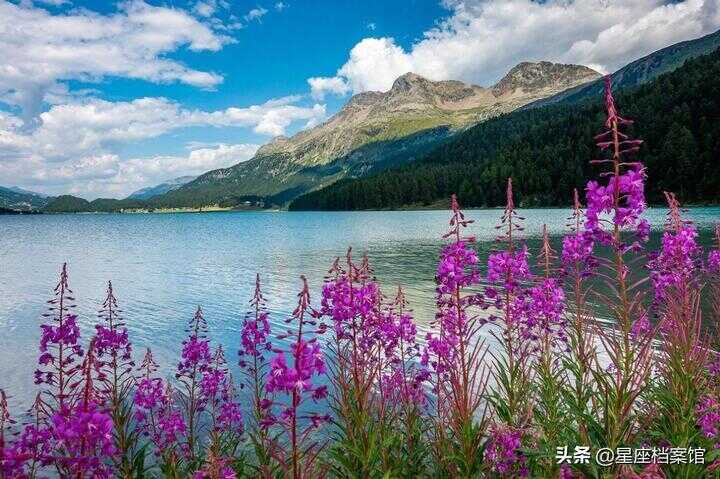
(21, 200)
(547, 151)
(373, 131)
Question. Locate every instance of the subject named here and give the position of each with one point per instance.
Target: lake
(164, 265)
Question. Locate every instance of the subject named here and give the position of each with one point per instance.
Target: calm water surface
(163, 266)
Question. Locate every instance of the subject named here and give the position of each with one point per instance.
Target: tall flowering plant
(613, 218)
(226, 421)
(83, 431)
(60, 350)
(508, 272)
(353, 304)
(675, 274)
(456, 353)
(158, 419)
(194, 363)
(255, 347)
(543, 323)
(577, 266)
(114, 366)
(296, 384)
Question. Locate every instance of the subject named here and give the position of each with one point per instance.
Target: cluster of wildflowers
(503, 454)
(675, 265)
(708, 418)
(402, 407)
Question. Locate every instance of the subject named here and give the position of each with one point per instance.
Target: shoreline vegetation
(344, 387)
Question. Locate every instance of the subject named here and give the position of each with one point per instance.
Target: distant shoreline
(220, 209)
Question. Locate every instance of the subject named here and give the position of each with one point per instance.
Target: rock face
(375, 130)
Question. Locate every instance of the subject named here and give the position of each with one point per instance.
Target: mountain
(67, 204)
(640, 71)
(547, 151)
(15, 198)
(373, 131)
(162, 188)
(73, 204)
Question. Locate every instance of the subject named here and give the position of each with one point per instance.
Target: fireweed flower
(255, 345)
(218, 392)
(296, 382)
(503, 453)
(83, 432)
(708, 418)
(402, 383)
(60, 351)
(623, 196)
(12, 460)
(456, 352)
(195, 361)
(674, 266)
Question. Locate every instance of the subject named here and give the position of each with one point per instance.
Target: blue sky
(99, 99)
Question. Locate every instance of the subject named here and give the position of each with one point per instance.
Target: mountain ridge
(413, 104)
(548, 151)
(639, 71)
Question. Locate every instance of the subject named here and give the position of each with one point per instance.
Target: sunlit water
(164, 265)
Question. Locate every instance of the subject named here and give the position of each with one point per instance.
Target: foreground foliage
(349, 389)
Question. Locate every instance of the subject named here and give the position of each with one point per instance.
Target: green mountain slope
(375, 130)
(547, 151)
(21, 200)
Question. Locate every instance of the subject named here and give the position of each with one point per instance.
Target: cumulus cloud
(482, 39)
(320, 86)
(73, 146)
(108, 175)
(40, 50)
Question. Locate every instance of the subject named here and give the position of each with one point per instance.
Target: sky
(101, 98)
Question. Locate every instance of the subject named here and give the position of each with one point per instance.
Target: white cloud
(205, 8)
(280, 6)
(320, 86)
(255, 14)
(107, 175)
(73, 146)
(40, 49)
(372, 26)
(482, 39)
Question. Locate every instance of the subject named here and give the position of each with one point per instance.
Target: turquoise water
(163, 266)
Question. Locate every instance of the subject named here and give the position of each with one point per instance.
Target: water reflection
(163, 266)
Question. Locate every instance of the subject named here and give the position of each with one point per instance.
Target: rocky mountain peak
(408, 81)
(530, 77)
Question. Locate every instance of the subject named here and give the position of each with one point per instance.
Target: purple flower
(623, 196)
(149, 393)
(674, 266)
(641, 327)
(508, 268)
(577, 252)
(59, 339)
(713, 262)
(708, 418)
(503, 453)
(85, 435)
